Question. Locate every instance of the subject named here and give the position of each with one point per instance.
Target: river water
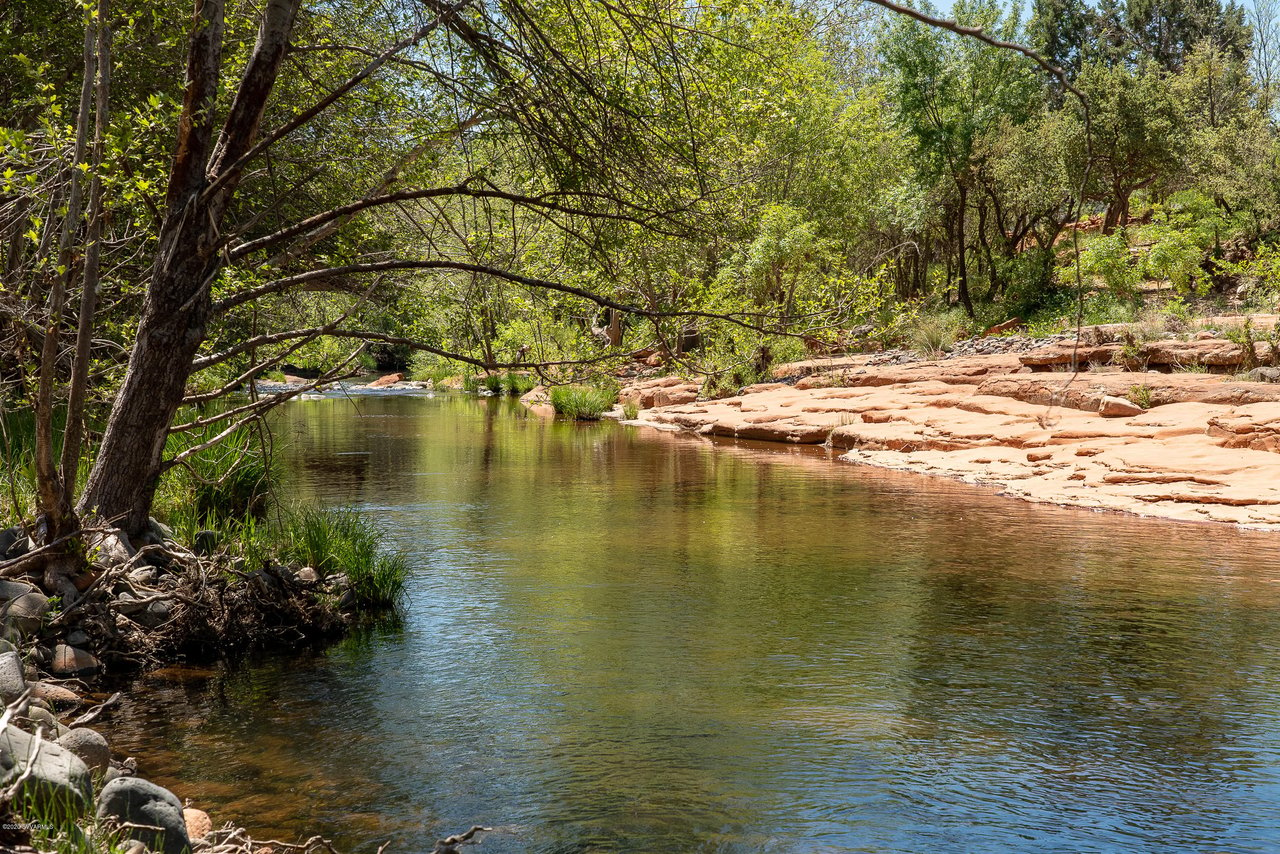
(618, 640)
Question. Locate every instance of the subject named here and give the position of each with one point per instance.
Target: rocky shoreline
(1182, 426)
(133, 608)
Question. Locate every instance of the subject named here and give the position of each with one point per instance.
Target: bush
(344, 540)
(933, 335)
(581, 403)
(1108, 258)
(518, 384)
(228, 482)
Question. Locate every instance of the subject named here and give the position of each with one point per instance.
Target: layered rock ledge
(1185, 446)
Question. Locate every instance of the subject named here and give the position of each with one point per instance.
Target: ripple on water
(635, 642)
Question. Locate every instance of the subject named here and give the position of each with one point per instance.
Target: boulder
(133, 800)
(12, 683)
(8, 538)
(1118, 407)
(55, 695)
(307, 575)
(42, 718)
(89, 745)
(144, 575)
(387, 381)
(156, 613)
(26, 611)
(1263, 375)
(71, 661)
(10, 589)
(199, 825)
(660, 391)
(58, 784)
(110, 549)
(20, 546)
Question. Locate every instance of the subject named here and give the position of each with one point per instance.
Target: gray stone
(12, 684)
(159, 529)
(70, 660)
(307, 575)
(10, 589)
(1263, 375)
(26, 612)
(77, 637)
(110, 549)
(8, 538)
(137, 801)
(58, 785)
(128, 603)
(90, 746)
(155, 614)
(40, 717)
(20, 547)
(144, 575)
(206, 543)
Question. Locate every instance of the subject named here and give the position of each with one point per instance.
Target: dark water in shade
(623, 641)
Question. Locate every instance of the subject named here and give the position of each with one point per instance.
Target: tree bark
(124, 476)
(52, 494)
(962, 267)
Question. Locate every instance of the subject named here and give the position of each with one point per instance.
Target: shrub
(228, 482)
(517, 384)
(581, 403)
(1108, 258)
(933, 335)
(1140, 395)
(344, 540)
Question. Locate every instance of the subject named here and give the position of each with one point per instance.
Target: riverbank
(72, 626)
(1175, 427)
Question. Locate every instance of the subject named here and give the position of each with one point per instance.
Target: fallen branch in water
(449, 845)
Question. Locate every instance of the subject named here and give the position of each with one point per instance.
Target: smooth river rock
(199, 825)
(12, 683)
(59, 782)
(138, 801)
(26, 611)
(55, 695)
(89, 745)
(1118, 407)
(71, 661)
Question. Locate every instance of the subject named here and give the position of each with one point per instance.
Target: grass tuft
(581, 403)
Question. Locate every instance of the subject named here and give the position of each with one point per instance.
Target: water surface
(624, 641)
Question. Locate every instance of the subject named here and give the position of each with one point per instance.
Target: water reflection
(623, 641)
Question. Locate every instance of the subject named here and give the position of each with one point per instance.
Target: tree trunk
(962, 268)
(202, 181)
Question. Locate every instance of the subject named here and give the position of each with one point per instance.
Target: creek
(619, 640)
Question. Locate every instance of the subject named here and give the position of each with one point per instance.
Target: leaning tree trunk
(202, 181)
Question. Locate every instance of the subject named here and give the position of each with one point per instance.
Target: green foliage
(227, 482)
(347, 541)
(1175, 255)
(1107, 257)
(933, 335)
(1140, 395)
(581, 403)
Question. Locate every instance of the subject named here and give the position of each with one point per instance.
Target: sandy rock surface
(1205, 450)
